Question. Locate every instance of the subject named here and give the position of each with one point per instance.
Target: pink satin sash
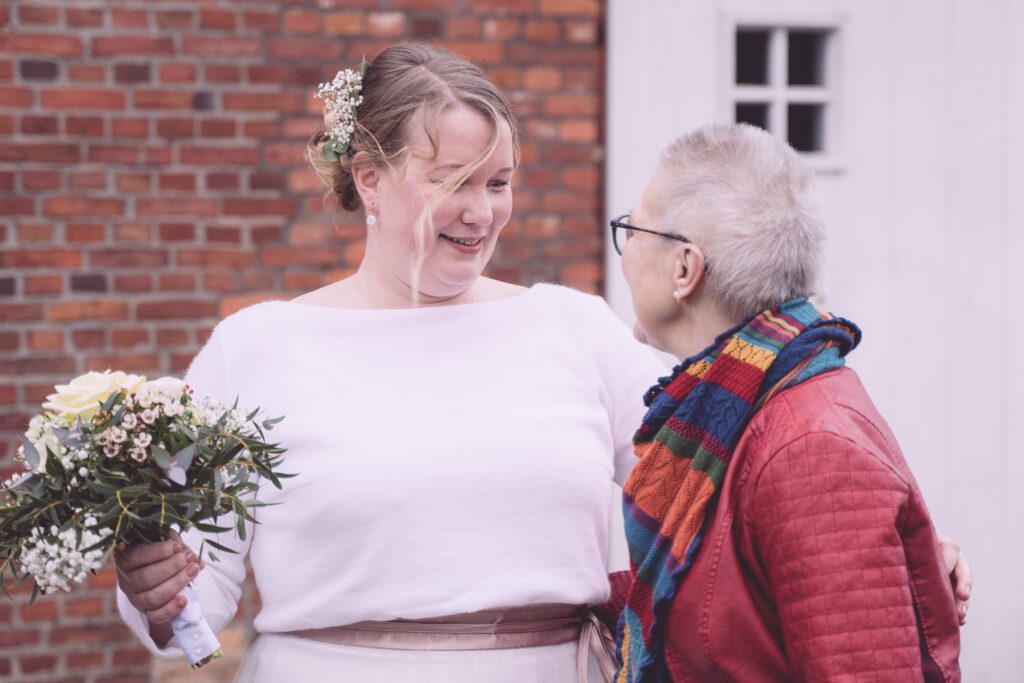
(487, 630)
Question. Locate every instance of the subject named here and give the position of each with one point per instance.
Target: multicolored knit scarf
(694, 420)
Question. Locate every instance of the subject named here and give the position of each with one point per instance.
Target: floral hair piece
(341, 97)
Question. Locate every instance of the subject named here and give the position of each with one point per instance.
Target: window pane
(752, 57)
(805, 127)
(807, 57)
(754, 113)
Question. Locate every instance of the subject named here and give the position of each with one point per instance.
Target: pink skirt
(552, 644)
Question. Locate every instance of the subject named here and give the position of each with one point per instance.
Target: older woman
(774, 527)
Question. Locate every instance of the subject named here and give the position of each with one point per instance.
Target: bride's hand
(152, 574)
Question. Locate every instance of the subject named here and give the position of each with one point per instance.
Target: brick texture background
(152, 181)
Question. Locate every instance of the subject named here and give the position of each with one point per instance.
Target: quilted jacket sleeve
(824, 517)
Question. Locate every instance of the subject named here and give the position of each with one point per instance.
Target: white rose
(169, 387)
(81, 398)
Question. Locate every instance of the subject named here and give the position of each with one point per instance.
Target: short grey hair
(744, 198)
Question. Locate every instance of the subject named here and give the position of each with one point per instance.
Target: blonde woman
(455, 437)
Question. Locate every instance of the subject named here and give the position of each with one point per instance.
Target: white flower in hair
(341, 97)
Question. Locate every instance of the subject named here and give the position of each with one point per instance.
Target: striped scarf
(694, 420)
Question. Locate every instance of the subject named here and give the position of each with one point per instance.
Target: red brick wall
(152, 181)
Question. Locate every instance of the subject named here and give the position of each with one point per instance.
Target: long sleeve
(219, 583)
(825, 518)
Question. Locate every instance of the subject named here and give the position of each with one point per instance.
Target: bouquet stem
(194, 636)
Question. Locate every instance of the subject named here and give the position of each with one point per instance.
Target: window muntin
(782, 82)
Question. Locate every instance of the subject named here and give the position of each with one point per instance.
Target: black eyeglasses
(620, 223)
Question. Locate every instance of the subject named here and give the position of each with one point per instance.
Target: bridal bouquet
(114, 459)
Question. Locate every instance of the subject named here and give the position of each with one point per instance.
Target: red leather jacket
(820, 562)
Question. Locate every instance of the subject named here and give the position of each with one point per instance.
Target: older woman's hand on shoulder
(960, 574)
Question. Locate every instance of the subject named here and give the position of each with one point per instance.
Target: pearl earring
(371, 220)
(677, 295)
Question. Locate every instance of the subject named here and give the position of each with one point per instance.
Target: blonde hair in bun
(401, 82)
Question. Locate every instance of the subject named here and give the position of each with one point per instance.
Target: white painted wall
(925, 204)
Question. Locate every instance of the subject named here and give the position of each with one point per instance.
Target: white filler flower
(53, 558)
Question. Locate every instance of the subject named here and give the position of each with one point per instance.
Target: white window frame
(778, 93)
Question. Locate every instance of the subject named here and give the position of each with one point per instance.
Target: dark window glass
(806, 50)
(754, 113)
(752, 57)
(805, 124)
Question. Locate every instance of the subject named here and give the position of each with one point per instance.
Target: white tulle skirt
(280, 658)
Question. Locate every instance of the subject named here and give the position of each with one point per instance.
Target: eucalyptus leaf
(53, 466)
(219, 546)
(69, 437)
(241, 477)
(177, 475)
(329, 154)
(116, 417)
(24, 482)
(100, 487)
(186, 430)
(176, 519)
(161, 456)
(333, 149)
(183, 458)
(110, 400)
(31, 454)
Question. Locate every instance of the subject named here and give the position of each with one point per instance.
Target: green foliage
(192, 474)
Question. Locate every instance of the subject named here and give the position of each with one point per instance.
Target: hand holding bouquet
(117, 461)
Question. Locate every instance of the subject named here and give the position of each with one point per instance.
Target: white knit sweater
(449, 459)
